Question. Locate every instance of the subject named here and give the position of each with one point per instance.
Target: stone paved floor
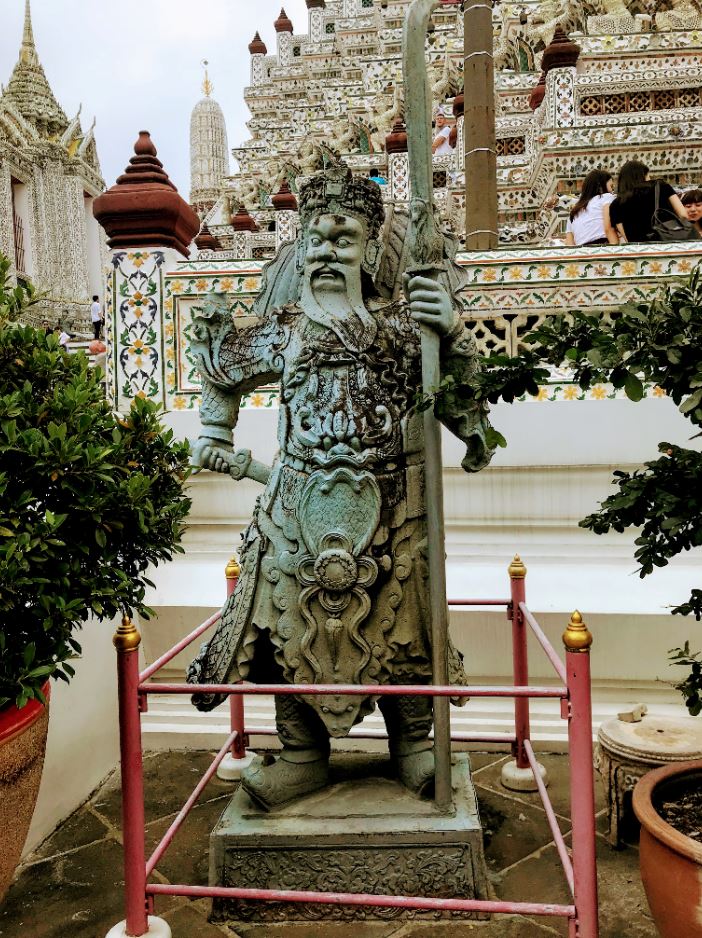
(72, 886)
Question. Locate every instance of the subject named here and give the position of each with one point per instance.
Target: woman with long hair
(586, 224)
(631, 213)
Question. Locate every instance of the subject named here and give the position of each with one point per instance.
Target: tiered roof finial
(207, 86)
(283, 24)
(257, 46)
(28, 88)
(28, 51)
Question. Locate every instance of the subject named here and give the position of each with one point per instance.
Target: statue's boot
(303, 765)
(409, 721)
(286, 778)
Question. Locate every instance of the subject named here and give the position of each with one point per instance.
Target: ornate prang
(49, 170)
(577, 636)
(127, 637)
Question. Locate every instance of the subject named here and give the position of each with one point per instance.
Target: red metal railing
(574, 695)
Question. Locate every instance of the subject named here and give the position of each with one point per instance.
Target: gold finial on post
(207, 85)
(516, 569)
(127, 637)
(233, 569)
(577, 636)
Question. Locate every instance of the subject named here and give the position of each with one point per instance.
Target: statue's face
(335, 247)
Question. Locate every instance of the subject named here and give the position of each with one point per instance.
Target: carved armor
(333, 563)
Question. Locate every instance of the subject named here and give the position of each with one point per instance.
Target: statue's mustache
(326, 268)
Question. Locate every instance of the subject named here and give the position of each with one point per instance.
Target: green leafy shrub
(88, 500)
(655, 342)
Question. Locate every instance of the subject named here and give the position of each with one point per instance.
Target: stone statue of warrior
(333, 587)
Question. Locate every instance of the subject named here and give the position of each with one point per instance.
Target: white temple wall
(557, 467)
(22, 200)
(83, 742)
(94, 239)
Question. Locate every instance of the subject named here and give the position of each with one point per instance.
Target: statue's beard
(338, 293)
(339, 308)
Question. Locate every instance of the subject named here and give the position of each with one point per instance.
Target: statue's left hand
(430, 305)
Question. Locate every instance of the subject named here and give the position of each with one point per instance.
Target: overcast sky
(135, 65)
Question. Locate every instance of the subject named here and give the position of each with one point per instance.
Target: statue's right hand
(215, 455)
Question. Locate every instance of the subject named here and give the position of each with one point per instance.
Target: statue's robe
(334, 567)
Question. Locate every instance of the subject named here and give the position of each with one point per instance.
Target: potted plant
(654, 342)
(668, 803)
(89, 500)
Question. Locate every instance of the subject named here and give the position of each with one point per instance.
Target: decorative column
(285, 205)
(284, 33)
(558, 65)
(258, 50)
(398, 165)
(149, 228)
(479, 128)
(316, 11)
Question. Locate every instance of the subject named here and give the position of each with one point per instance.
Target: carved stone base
(678, 19)
(366, 833)
(627, 751)
(618, 25)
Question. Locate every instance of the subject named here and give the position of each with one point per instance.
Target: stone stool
(626, 751)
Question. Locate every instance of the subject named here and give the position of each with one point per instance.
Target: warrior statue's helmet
(336, 191)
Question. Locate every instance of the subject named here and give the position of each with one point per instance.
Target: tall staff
(426, 250)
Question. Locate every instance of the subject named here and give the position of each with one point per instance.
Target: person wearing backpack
(638, 199)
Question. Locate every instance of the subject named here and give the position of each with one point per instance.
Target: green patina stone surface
(364, 833)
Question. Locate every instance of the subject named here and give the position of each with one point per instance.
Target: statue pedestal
(365, 833)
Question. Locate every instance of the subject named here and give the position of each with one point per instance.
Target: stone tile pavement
(72, 886)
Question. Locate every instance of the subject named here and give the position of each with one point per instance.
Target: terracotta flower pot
(671, 863)
(22, 746)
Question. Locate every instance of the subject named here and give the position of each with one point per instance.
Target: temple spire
(28, 51)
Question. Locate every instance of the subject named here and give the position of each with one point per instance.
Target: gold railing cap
(577, 636)
(127, 636)
(516, 569)
(233, 569)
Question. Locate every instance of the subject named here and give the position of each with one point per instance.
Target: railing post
(517, 774)
(137, 923)
(234, 763)
(577, 640)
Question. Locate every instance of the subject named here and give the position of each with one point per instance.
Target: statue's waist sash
(402, 490)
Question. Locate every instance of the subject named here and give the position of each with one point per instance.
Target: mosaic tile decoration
(509, 293)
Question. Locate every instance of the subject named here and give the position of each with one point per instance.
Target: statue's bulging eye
(343, 242)
(315, 242)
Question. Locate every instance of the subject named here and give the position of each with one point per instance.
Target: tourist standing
(588, 222)
(692, 200)
(96, 317)
(441, 145)
(631, 213)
